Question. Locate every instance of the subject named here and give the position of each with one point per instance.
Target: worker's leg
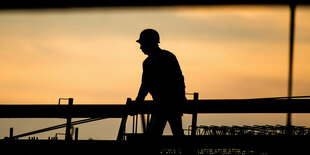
(154, 132)
(177, 130)
(157, 125)
(176, 125)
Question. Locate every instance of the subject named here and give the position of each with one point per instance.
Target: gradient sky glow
(91, 55)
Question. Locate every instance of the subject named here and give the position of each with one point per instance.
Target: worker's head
(148, 41)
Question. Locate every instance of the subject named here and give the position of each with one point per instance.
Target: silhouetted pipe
(194, 117)
(291, 56)
(59, 126)
(68, 136)
(11, 133)
(76, 135)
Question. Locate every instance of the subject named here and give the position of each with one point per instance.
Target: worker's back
(163, 76)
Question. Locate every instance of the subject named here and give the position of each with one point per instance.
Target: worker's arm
(143, 91)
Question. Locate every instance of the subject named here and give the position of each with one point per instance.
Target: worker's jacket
(162, 77)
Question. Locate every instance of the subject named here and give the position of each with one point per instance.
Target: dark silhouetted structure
(162, 78)
(206, 140)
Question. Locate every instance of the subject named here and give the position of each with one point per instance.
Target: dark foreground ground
(139, 144)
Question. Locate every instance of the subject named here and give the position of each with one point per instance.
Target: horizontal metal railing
(93, 112)
(119, 110)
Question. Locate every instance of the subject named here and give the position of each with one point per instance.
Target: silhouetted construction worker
(162, 78)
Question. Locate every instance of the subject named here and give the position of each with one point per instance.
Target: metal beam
(118, 111)
(33, 4)
(56, 127)
(60, 111)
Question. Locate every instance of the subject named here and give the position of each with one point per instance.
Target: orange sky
(91, 55)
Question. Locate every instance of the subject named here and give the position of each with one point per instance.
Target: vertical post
(291, 54)
(147, 121)
(144, 124)
(194, 117)
(76, 136)
(122, 128)
(133, 123)
(68, 136)
(11, 133)
(137, 117)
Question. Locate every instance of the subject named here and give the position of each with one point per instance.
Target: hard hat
(148, 36)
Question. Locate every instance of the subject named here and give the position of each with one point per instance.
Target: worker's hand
(139, 100)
